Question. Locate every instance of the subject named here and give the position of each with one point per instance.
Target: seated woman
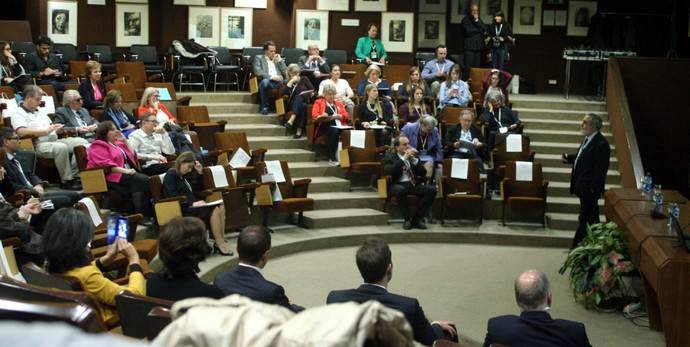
(11, 70)
(297, 90)
(373, 74)
(413, 110)
(342, 88)
(92, 88)
(110, 148)
(114, 112)
(413, 82)
(370, 49)
(181, 247)
(501, 120)
(186, 179)
(454, 92)
(328, 111)
(374, 112)
(166, 120)
(67, 247)
(496, 81)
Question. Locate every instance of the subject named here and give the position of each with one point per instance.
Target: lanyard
(333, 108)
(423, 140)
(442, 66)
(498, 29)
(418, 110)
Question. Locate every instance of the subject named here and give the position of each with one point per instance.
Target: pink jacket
(101, 153)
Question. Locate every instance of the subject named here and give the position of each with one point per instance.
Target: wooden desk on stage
(662, 261)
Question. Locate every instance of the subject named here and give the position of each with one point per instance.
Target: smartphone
(112, 229)
(118, 228)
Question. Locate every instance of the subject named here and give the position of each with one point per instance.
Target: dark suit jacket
(34, 64)
(365, 115)
(294, 94)
(323, 67)
(589, 176)
(507, 118)
(423, 331)
(173, 185)
(65, 115)
(161, 286)
(393, 166)
(248, 282)
(453, 134)
(86, 92)
(13, 180)
(535, 329)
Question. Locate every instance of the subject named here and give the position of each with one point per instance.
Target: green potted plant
(597, 266)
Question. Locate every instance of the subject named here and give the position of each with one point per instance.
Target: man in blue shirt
(436, 70)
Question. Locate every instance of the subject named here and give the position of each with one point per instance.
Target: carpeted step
(325, 184)
(563, 174)
(291, 155)
(340, 200)
(554, 160)
(555, 113)
(201, 98)
(555, 124)
(565, 221)
(541, 135)
(231, 107)
(562, 188)
(543, 147)
(245, 118)
(560, 204)
(524, 101)
(331, 218)
(257, 129)
(314, 168)
(276, 142)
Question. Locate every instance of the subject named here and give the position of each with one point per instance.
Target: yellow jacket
(105, 290)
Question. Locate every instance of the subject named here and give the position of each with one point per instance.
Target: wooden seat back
(133, 309)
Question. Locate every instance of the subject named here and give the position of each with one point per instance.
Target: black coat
(589, 175)
(13, 177)
(535, 329)
(86, 92)
(35, 65)
(473, 33)
(508, 118)
(161, 286)
(366, 115)
(423, 331)
(248, 282)
(294, 94)
(506, 32)
(453, 134)
(173, 185)
(393, 166)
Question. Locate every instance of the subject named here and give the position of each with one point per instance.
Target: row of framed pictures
(238, 3)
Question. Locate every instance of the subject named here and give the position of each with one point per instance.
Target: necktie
(408, 170)
(19, 166)
(584, 143)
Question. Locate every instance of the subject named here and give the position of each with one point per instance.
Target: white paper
(376, 126)
(268, 178)
(503, 130)
(273, 167)
(342, 127)
(275, 194)
(93, 211)
(11, 107)
(396, 85)
(459, 168)
(219, 178)
(49, 104)
(240, 159)
(338, 123)
(189, 137)
(5, 268)
(357, 138)
(212, 203)
(161, 177)
(523, 171)
(514, 143)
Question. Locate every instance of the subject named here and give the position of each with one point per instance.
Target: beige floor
(464, 283)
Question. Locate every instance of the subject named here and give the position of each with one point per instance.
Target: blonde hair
(372, 68)
(146, 95)
(91, 65)
(293, 69)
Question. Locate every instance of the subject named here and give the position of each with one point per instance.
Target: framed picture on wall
(311, 28)
(579, 15)
(236, 27)
(131, 25)
(251, 3)
(204, 25)
(333, 5)
(433, 6)
(190, 2)
(62, 21)
(527, 17)
(431, 30)
(458, 10)
(371, 5)
(487, 8)
(397, 31)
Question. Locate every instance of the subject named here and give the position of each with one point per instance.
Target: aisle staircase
(551, 122)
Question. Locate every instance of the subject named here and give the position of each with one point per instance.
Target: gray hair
(293, 69)
(372, 68)
(312, 45)
(531, 290)
(329, 88)
(596, 120)
(464, 113)
(428, 121)
(495, 96)
(31, 91)
(69, 96)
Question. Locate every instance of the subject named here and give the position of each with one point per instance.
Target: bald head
(532, 291)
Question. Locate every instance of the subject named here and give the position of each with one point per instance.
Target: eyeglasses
(79, 100)
(152, 120)
(156, 96)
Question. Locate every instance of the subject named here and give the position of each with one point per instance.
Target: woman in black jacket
(92, 88)
(123, 120)
(500, 34)
(11, 72)
(297, 90)
(473, 30)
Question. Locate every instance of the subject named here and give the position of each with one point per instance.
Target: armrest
(173, 198)
(155, 78)
(12, 241)
(381, 149)
(184, 101)
(531, 155)
(544, 187)
(301, 187)
(106, 169)
(258, 154)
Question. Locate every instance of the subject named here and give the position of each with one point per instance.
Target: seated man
(151, 144)
(407, 172)
(28, 121)
(501, 120)
(45, 66)
(425, 138)
(253, 247)
(375, 264)
(463, 139)
(315, 62)
(436, 70)
(534, 326)
(76, 119)
(272, 70)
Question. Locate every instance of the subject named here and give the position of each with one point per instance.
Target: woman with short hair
(370, 49)
(92, 88)
(373, 74)
(297, 91)
(328, 112)
(343, 91)
(123, 120)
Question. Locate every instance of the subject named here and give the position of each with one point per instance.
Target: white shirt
(405, 177)
(271, 67)
(35, 121)
(250, 266)
(342, 88)
(149, 146)
(585, 143)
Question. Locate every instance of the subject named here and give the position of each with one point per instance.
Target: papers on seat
(273, 167)
(357, 138)
(49, 105)
(377, 63)
(212, 203)
(240, 159)
(523, 171)
(8, 264)
(459, 168)
(342, 127)
(164, 94)
(514, 143)
(376, 126)
(275, 190)
(11, 107)
(93, 211)
(503, 130)
(396, 85)
(219, 178)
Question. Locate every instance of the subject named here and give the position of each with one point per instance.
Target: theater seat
(463, 197)
(133, 310)
(294, 194)
(524, 200)
(79, 315)
(365, 160)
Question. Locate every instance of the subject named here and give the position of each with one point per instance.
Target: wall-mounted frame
(250, 3)
(487, 8)
(458, 10)
(311, 28)
(131, 25)
(190, 2)
(204, 25)
(431, 30)
(397, 31)
(433, 6)
(527, 17)
(371, 5)
(236, 27)
(62, 21)
(333, 5)
(579, 15)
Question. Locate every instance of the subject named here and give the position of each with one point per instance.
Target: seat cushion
(295, 205)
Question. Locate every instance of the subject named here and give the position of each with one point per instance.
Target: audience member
(425, 138)
(454, 91)
(246, 279)
(496, 81)
(28, 121)
(181, 247)
(500, 34)
(76, 119)
(110, 148)
(327, 112)
(186, 180)
(299, 91)
(151, 103)
(534, 326)
(413, 82)
(436, 70)
(14, 221)
(92, 88)
(313, 61)
(473, 31)
(343, 92)
(272, 70)
(11, 72)
(67, 246)
(463, 139)
(370, 49)
(44, 65)
(373, 74)
(375, 264)
(414, 109)
(151, 144)
(114, 112)
(373, 112)
(500, 119)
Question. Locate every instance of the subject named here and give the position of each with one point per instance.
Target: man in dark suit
(374, 261)
(272, 70)
(253, 247)
(75, 118)
(407, 174)
(590, 165)
(463, 139)
(534, 327)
